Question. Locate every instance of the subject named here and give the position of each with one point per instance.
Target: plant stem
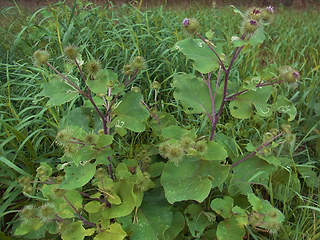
(257, 150)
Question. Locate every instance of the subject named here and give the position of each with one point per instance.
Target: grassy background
(114, 34)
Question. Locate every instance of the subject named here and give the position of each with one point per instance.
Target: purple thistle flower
(253, 22)
(295, 74)
(270, 9)
(185, 22)
(256, 11)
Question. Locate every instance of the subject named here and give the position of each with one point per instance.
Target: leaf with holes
(284, 105)
(241, 107)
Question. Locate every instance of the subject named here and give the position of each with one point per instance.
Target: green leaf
(76, 117)
(252, 170)
(308, 175)
(242, 106)
(93, 207)
(257, 37)
(30, 226)
(152, 219)
(124, 189)
(78, 176)
(239, 42)
(59, 91)
(114, 232)
(196, 220)
(104, 140)
(173, 132)
(283, 105)
(229, 229)
(77, 232)
(193, 94)
(215, 152)
(99, 84)
(192, 179)
(202, 57)
(223, 206)
(130, 113)
(176, 226)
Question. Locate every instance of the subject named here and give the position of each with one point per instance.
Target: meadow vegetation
(38, 161)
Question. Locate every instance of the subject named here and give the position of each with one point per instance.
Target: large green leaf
(99, 84)
(192, 179)
(193, 94)
(152, 219)
(78, 176)
(242, 106)
(252, 171)
(59, 91)
(202, 57)
(257, 37)
(130, 112)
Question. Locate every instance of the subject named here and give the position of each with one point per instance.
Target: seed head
(164, 149)
(191, 25)
(186, 142)
(64, 136)
(41, 57)
(29, 211)
(90, 138)
(286, 128)
(47, 211)
(201, 146)
(71, 149)
(71, 52)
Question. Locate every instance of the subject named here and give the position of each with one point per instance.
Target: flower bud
(100, 173)
(93, 67)
(127, 70)
(136, 89)
(286, 128)
(29, 211)
(41, 57)
(64, 136)
(250, 26)
(47, 211)
(138, 63)
(191, 25)
(289, 74)
(71, 52)
(156, 85)
(24, 181)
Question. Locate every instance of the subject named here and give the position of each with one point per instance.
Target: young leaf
(99, 84)
(130, 113)
(229, 229)
(114, 232)
(77, 231)
(223, 206)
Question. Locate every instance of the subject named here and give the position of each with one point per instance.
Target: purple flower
(185, 22)
(253, 22)
(295, 74)
(270, 9)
